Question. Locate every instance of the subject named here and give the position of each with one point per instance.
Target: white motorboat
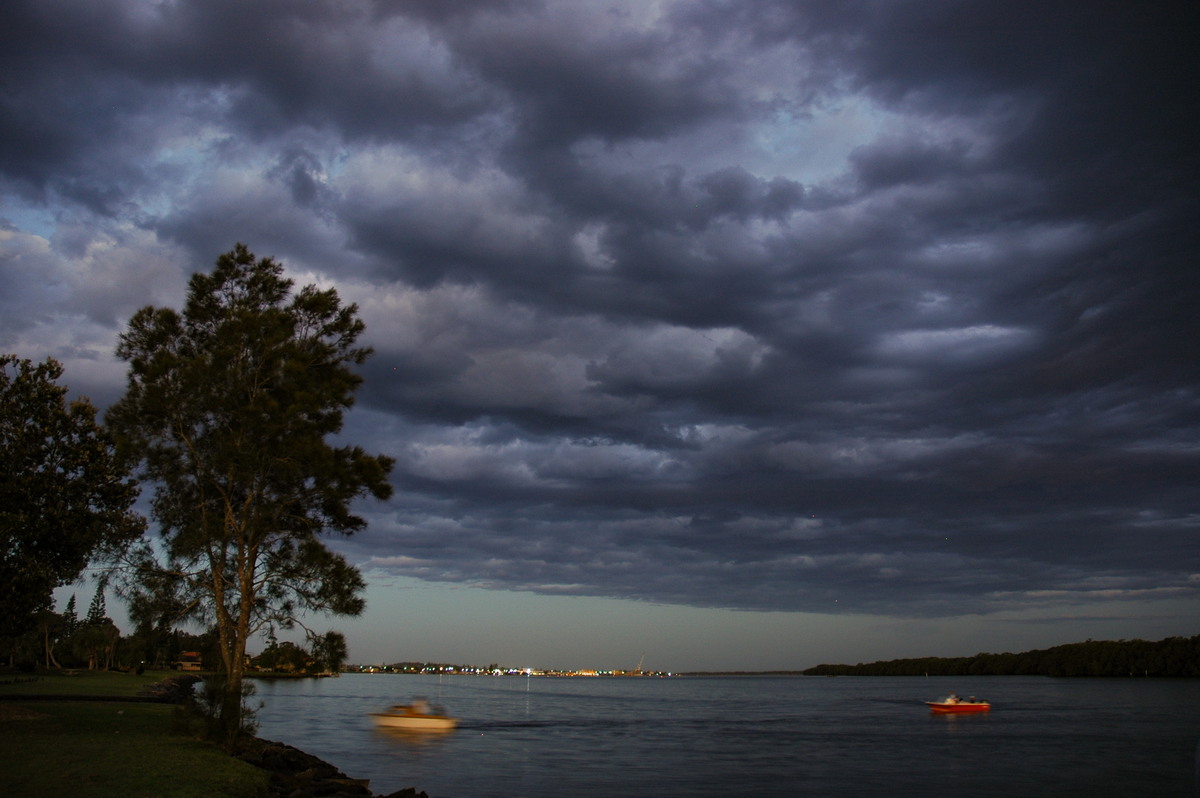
(417, 716)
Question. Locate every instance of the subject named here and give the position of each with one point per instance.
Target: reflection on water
(955, 722)
(414, 737)
(766, 736)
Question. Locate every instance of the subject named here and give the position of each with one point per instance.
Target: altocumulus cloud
(836, 306)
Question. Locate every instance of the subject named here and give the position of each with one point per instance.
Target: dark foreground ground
(292, 772)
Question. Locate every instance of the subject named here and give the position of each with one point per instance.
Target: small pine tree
(96, 612)
(70, 618)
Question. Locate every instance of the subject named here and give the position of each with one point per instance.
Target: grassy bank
(81, 682)
(106, 749)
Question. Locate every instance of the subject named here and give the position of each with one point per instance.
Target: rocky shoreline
(295, 774)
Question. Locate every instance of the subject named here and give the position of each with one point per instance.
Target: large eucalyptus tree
(228, 410)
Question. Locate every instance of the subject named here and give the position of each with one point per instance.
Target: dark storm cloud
(876, 306)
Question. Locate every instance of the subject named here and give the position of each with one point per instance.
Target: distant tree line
(325, 654)
(1172, 656)
(63, 640)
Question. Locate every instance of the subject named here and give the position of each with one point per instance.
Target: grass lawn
(101, 749)
(81, 682)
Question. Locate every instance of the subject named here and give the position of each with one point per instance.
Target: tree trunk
(49, 647)
(236, 663)
(229, 718)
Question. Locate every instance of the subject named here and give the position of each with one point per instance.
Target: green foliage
(327, 655)
(1172, 656)
(206, 707)
(94, 644)
(330, 651)
(155, 607)
(227, 411)
(64, 497)
(70, 616)
(285, 657)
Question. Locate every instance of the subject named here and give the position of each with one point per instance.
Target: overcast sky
(737, 334)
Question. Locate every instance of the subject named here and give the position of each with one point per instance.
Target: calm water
(754, 736)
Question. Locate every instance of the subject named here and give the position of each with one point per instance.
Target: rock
(295, 774)
(175, 690)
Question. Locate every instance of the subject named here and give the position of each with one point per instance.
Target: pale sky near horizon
(737, 335)
(415, 621)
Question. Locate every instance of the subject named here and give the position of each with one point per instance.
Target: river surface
(537, 737)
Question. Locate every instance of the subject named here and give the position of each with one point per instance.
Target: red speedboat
(953, 703)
